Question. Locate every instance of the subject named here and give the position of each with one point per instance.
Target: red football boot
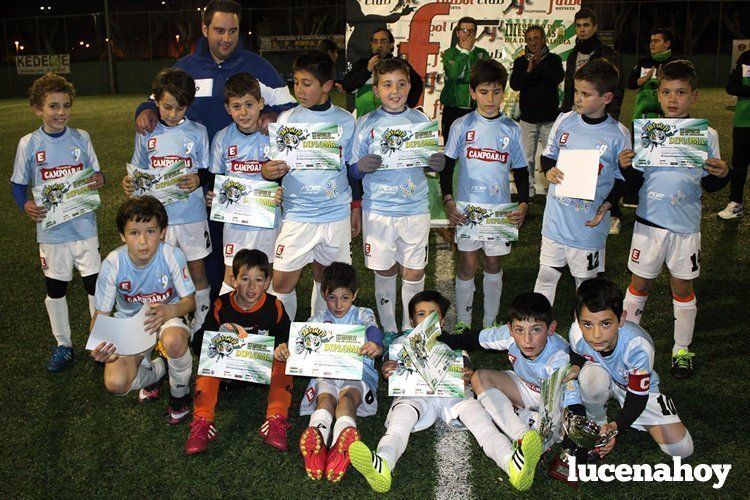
(338, 457)
(273, 432)
(314, 452)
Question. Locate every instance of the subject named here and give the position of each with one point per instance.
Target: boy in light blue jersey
(574, 231)
(487, 145)
(319, 217)
(147, 271)
(513, 397)
(239, 150)
(173, 139)
(344, 399)
(395, 218)
(55, 151)
(614, 358)
(667, 223)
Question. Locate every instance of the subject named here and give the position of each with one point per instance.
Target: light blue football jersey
(485, 151)
(631, 364)
(40, 158)
(166, 146)
(565, 218)
(122, 285)
(356, 316)
(533, 372)
(240, 155)
(671, 197)
(396, 192)
(319, 195)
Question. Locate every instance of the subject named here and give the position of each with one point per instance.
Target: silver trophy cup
(584, 432)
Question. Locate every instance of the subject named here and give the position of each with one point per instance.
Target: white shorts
(652, 246)
(531, 399)
(300, 243)
(367, 407)
(429, 410)
(388, 240)
(583, 264)
(58, 259)
(193, 239)
(237, 239)
(490, 248)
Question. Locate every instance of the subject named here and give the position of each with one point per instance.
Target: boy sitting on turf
(412, 414)
(614, 358)
(319, 222)
(239, 150)
(51, 152)
(486, 144)
(513, 397)
(326, 398)
(256, 312)
(667, 226)
(173, 139)
(147, 271)
(395, 218)
(574, 231)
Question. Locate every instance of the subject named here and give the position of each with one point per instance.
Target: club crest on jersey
(393, 139)
(331, 189)
(470, 135)
(151, 144)
(511, 358)
(677, 197)
(188, 146)
(231, 192)
(602, 147)
(563, 138)
(407, 188)
(654, 134)
(229, 249)
(163, 280)
(290, 138)
(125, 286)
(310, 339)
(53, 195)
(231, 151)
(75, 152)
(41, 157)
(494, 189)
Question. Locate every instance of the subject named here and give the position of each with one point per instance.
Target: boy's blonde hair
(48, 84)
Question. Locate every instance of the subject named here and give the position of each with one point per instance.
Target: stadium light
(81, 43)
(17, 45)
(87, 45)
(21, 47)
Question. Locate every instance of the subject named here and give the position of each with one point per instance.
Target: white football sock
(682, 448)
(179, 374)
(546, 282)
(594, 383)
(341, 424)
(685, 312)
(92, 305)
(634, 305)
(408, 290)
(464, 300)
(322, 420)
(385, 297)
(493, 290)
(149, 372)
(57, 310)
(501, 410)
(225, 288)
(401, 422)
(290, 303)
(317, 303)
(493, 443)
(202, 302)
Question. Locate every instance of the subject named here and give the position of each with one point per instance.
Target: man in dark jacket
(359, 78)
(536, 76)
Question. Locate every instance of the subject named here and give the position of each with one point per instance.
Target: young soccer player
(240, 150)
(55, 151)
(326, 399)
(251, 310)
(318, 221)
(413, 414)
(173, 139)
(615, 359)
(668, 217)
(486, 145)
(574, 231)
(513, 397)
(395, 212)
(147, 271)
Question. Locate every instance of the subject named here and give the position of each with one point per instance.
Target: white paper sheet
(127, 334)
(581, 168)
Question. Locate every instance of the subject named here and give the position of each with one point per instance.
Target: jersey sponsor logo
(470, 135)
(486, 154)
(41, 157)
(367, 249)
(169, 160)
(150, 298)
(564, 138)
(310, 394)
(232, 151)
(246, 167)
(229, 249)
(124, 285)
(279, 250)
(478, 189)
(653, 195)
(151, 144)
(44, 263)
(511, 358)
(60, 171)
(386, 189)
(635, 255)
(309, 190)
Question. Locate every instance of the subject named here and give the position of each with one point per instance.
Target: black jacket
(539, 100)
(359, 74)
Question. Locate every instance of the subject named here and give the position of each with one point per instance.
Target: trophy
(584, 432)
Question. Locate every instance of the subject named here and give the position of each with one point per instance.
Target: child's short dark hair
(318, 64)
(682, 70)
(585, 13)
(250, 258)
(240, 85)
(429, 296)
(214, 6)
(665, 33)
(530, 305)
(600, 73)
(598, 294)
(466, 19)
(328, 45)
(177, 82)
(339, 275)
(390, 65)
(488, 71)
(48, 84)
(141, 209)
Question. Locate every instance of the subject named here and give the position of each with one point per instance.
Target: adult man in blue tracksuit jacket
(217, 57)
